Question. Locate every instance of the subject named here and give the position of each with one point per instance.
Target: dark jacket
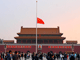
(35, 57)
(32, 57)
(2, 55)
(15, 57)
(8, 57)
(72, 57)
(65, 55)
(25, 55)
(41, 56)
(22, 55)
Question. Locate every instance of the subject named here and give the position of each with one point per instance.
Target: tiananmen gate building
(48, 39)
(44, 36)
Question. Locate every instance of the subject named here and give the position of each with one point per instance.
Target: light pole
(5, 48)
(72, 48)
(2, 41)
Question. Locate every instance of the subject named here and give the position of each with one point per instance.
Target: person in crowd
(77, 56)
(6, 56)
(60, 56)
(72, 57)
(41, 56)
(15, 56)
(22, 56)
(65, 56)
(28, 55)
(9, 55)
(55, 57)
(0, 56)
(38, 54)
(35, 57)
(32, 56)
(25, 56)
(48, 56)
(19, 55)
(51, 56)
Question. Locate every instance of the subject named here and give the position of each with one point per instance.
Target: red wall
(2, 48)
(77, 49)
(32, 49)
(45, 49)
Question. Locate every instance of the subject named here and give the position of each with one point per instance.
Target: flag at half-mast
(40, 21)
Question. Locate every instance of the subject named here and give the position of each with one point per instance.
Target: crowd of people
(62, 56)
(17, 55)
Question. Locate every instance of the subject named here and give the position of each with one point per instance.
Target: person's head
(48, 53)
(33, 53)
(15, 52)
(6, 54)
(64, 52)
(10, 51)
(72, 52)
(22, 52)
(36, 54)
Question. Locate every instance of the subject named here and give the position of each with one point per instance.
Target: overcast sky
(62, 13)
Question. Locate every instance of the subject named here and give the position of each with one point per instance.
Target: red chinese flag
(40, 21)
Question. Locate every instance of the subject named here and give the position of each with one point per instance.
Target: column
(62, 41)
(26, 41)
(16, 41)
(53, 41)
(31, 41)
(21, 41)
(48, 41)
(58, 41)
(43, 41)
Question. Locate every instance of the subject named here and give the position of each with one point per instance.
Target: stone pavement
(31, 59)
(43, 59)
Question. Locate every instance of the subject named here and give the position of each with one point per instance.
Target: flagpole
(36, 26)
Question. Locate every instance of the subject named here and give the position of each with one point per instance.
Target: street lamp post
(72, 48)
(2, 41)
(5, 48)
